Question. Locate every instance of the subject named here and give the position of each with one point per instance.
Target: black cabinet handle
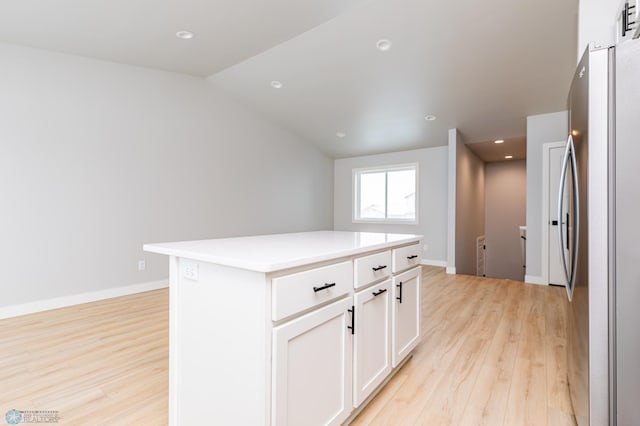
(379, 292)
(379, 267)
(352, 327)
(324, 287)
(413, 256)
(399, 286)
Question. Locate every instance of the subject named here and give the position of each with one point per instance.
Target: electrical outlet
(142, 265)
(426, 247)
(190, 270)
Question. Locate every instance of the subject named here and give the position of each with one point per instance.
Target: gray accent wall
(470, 207)
(99, 158)
(432, 197)
(505, 198)
(541, 129)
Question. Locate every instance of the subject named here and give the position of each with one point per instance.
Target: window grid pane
(387, 194)
(401, 194)
(372, 195)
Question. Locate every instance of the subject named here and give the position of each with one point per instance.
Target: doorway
(552, 270)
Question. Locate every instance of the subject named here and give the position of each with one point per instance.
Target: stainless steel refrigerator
(599, 203)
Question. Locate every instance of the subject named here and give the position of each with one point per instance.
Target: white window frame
(355, 193)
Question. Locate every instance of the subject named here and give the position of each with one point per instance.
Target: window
(386, 194)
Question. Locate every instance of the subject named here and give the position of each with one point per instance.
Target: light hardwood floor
(492, 353)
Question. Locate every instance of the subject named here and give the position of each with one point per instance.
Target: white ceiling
(489, 151)
(142, 32)
(480, 66)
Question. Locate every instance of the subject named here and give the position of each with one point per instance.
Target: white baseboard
(431, 262)
(451, 270)
(76, 299)
(532, 279)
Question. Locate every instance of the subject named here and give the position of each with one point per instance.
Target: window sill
(386, 221)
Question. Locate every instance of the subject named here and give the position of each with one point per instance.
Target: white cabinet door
(406, 314)
(372, 339)
(312, 368)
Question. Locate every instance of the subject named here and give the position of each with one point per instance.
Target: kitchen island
(288, 329)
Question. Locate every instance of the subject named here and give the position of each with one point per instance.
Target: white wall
(98, 158)
(470, 207)
(596, 23)
(432, 197)
(541, 129)
(505, 206)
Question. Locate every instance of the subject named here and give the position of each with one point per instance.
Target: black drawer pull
(324, 287)
(379, 267)
(379, 292)
(352, 327)
(413, 256)
(400, 296)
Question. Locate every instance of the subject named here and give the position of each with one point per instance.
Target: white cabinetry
(372, 339)
(296, 292)
(406, 314)
(371, 268)
(312, 368)
(406, 257)
(289, 329)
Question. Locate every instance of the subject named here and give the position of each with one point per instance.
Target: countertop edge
(273, 267)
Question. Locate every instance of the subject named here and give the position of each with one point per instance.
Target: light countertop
(268, 253)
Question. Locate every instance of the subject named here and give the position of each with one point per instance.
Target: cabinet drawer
(406, 257)
(303, 290)
(372, 268)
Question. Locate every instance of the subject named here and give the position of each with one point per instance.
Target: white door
(556, 273)
(372, 340)
(312, 367)
(406, 314)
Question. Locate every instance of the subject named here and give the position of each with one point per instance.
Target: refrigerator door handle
(576, 222)
(563, 181)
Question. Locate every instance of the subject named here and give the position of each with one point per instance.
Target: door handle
(563, 181)
(567, 223)
(352, 327)
(576, 220)
(379, 267)
(400, 295)
(554, 223)
(379, 292)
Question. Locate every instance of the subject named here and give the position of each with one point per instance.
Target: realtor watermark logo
(14, 417)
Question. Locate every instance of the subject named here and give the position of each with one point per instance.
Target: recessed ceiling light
(508, 157)
(499, 141)
(429, 117)
(383, 45)
(276, 84)
(341, 134)
(185, 35)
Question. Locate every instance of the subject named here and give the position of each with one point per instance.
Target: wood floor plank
(527, 403)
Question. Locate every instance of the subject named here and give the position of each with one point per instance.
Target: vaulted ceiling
(481, 67)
